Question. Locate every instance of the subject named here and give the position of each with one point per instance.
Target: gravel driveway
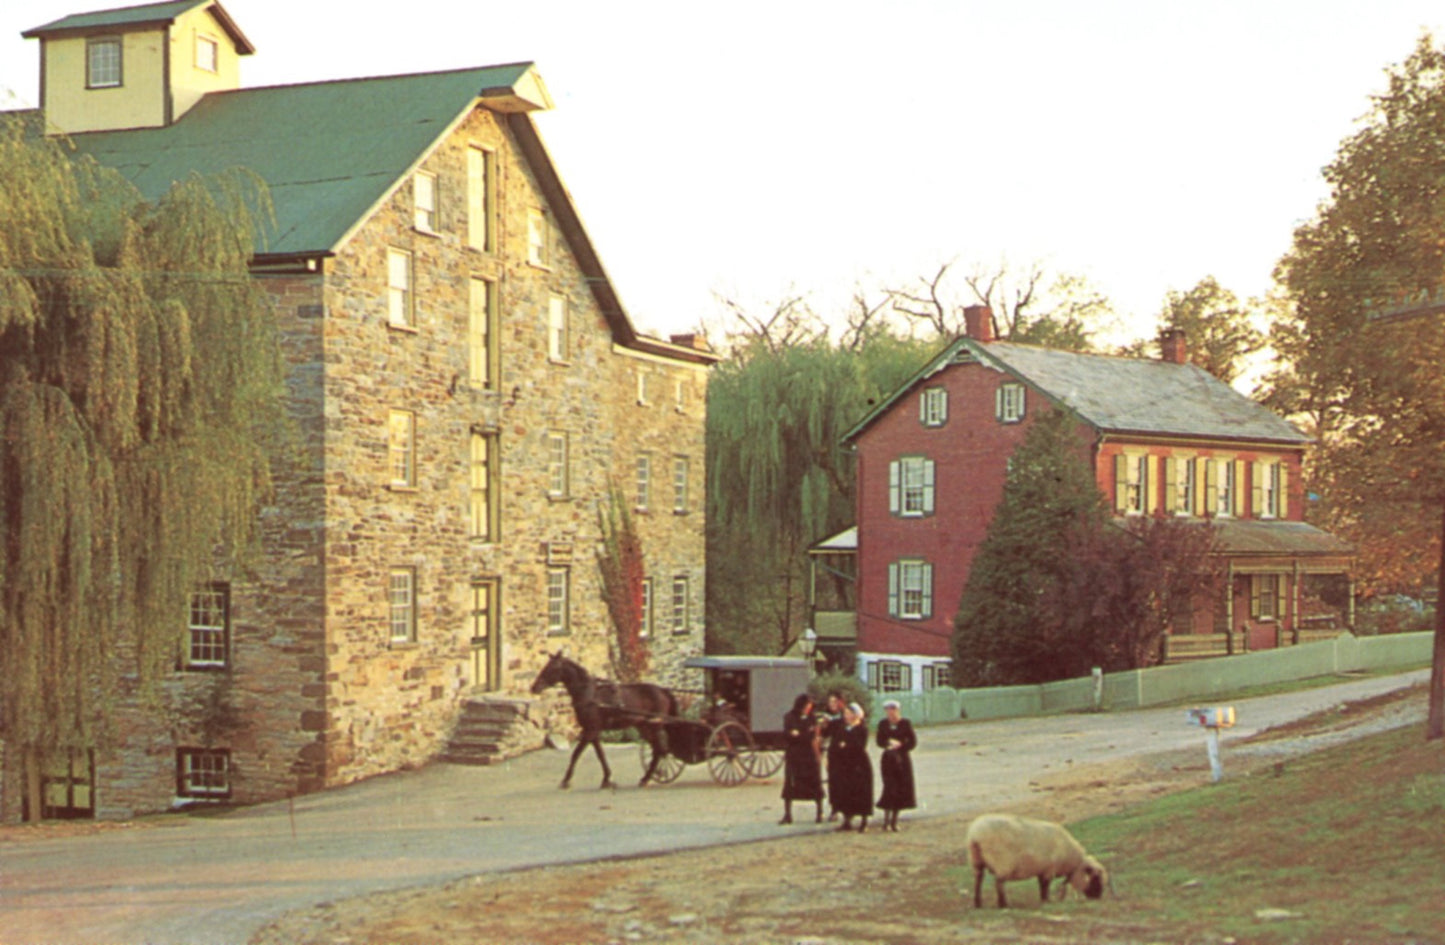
(218, 879)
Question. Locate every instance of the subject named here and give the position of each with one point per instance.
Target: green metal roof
(1119, 395)
(329, 151)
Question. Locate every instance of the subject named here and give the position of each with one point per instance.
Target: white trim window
(557, 329)
(559, 603)
(538, 239)
(933, 406)
(480, 164)
(401, 448)
(557, 477)
(209, 627)
(482, 329)
(1009, 402)
(681, 609)
(1221, 487)
(400, 307)
(1269, 496)
(646, 630)
(1131, 483)
(424, 201)
(1266, 596)
(481, 495)
(911, 487)
(936, 675)
(208, 52)
(401, 604)
(103, 62)
(1180, 483)
(203, 772)
(910, 589)
(680, 469)
(644, 481)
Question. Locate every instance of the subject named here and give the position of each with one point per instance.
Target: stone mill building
(466, 389)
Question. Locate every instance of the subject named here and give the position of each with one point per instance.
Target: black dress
(897, 765)
(802, 777)
(850, 772)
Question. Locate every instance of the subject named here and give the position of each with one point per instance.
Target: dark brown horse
(600, 705)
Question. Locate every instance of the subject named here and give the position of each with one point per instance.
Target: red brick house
(1164, 437)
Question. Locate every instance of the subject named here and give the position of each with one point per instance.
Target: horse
(601, 704)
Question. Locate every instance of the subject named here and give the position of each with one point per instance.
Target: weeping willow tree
(778, 478)
(138, 374)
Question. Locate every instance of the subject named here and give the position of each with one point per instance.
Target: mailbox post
(1213, 719)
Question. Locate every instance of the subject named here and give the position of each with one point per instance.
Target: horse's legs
(576, 753)
(606, 771)
(656, 742)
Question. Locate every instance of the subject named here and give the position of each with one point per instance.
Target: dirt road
(221, 879)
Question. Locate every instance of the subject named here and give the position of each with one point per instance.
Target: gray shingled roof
(1136, 395)
(1263, 537)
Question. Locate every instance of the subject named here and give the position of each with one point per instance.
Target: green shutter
(893, 589)
(928, 487)
(895, 487)
(927, 579)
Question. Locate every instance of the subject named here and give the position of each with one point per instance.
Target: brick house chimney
(978, 322)
(1174, 346)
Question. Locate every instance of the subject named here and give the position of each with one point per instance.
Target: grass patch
(1348, 840)
(1286, 685)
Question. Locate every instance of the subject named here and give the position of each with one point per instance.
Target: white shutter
(998, 403)
(1282, 500)
(926, 577)
(893, 589)
(923, 406)
(895, 488)
(942, 404)
(928, 487)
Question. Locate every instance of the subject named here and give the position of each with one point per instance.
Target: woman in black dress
(802, 774)
(850, 772)
(896, 738)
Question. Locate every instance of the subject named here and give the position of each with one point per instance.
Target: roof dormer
(136, 67)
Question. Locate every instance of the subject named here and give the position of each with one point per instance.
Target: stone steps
(492, 729)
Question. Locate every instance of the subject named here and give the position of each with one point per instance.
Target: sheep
(1014, 847)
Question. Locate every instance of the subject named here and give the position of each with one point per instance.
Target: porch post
(1229, 607)
(1294, 598)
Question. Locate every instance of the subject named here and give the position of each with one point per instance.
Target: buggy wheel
(669, 766)
(764, 762)
(729, 754)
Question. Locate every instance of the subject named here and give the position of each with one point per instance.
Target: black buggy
(740, 733)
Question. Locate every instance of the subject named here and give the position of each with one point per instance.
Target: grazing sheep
(1013, 848)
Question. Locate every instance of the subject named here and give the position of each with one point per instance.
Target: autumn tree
(139, 375)
(1059, 586)
(1219, 327)
(1372, 386)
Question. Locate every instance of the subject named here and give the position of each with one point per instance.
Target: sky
(758, 151)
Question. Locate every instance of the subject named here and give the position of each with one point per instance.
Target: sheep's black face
(1094, 887)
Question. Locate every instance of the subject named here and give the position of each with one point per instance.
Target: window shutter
(1201, 486)
(905, 678)
(1023, 395)
(1171, 485)
(1211, 486)
(1239, 481)
(927, 579)
(1254, 596)
(1279, 583)
(942, 404)
(1282, 500)
(923, 406)
(1121, 482)
(893, 589)
(872, 676)
(928, 487)
(998, 404)
(895, 487)
(1257, 472)
(1148, 484)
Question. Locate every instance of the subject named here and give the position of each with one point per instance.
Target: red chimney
(1174, 346)
(978, 322)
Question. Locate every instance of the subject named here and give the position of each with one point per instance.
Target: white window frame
(643, 481)
(538, 239)
(482, 331)
(401, 605)
(401, 448)
(559, 601)
(557, 318)
(102, 70)
(203, 772)
(1266, 594)
(933, 406)
(910, 589)
(1136, 483)
(1223, 501)
(481, 163)
(680, 470)
(1271, 484)
(911, 486)
(424, 201)
(400, 298)
(209, 627)
(481, 491)
(208, 54)
(1185, 471)
(1011, 402)
(557, 462)
(894, 676)
(681, 604)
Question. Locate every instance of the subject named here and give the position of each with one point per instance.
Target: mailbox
(1213, 717)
